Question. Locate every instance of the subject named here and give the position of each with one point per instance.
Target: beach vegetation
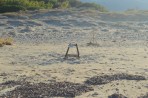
(22, 5)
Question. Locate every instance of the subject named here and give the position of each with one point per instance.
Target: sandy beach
(41, 41)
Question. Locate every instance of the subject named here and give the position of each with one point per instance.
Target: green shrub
(17, 5)
(49, 6)
(11, 8)
(65, 4)
(33, 8)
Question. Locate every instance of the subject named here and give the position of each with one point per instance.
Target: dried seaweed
(43, 90)
(98, 80)
(117, 96)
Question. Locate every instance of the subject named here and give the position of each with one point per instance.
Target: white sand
(121, 60)
(121, 49)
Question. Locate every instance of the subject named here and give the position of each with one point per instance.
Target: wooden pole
(78, 51)
(66, 53)
(72, 55)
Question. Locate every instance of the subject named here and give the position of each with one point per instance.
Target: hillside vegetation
(17, 5)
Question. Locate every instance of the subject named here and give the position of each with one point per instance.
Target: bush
(8, 41)
(65, 5)
(48, 6)
(17, 5)
(33, 8)
(11, 8)
(1, 42)
(5, 41)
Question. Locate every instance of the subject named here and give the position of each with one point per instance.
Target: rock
(12, 34)
(10, 28)
(95, 94)
(27, 29)
(23, 17)
(105, 30)
(3, 17)
(145, 96)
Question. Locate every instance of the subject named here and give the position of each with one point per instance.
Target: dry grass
(5, 41)
(1, 42)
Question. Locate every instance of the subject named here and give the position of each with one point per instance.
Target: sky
(122, 5)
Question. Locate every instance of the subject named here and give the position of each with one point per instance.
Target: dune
(41, 40)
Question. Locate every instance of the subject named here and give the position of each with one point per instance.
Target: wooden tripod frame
(72, 55)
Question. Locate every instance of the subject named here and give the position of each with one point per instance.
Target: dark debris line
(13, 83)
(63, 89)
(117, 96)
(43, 90)
(98, 80)
(145, 96)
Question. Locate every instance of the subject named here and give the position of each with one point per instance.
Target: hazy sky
(119, 5)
